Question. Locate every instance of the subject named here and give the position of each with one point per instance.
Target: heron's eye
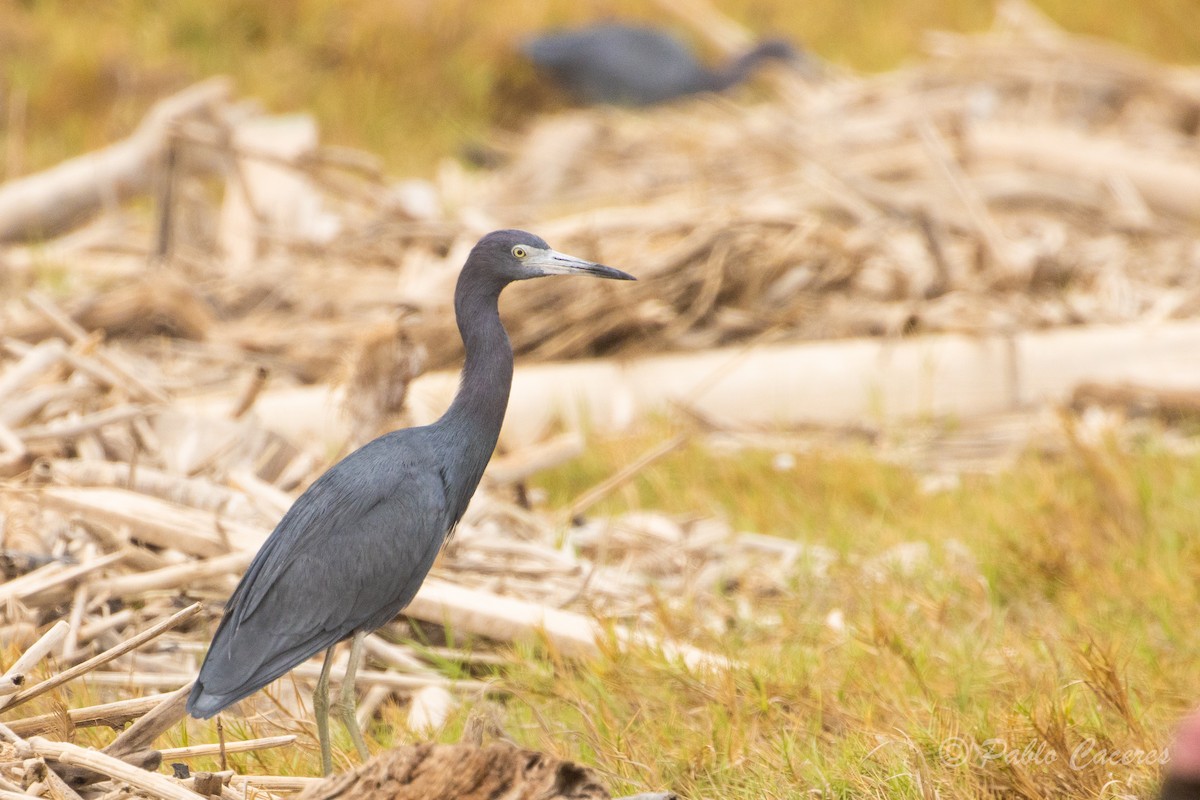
(520, 252)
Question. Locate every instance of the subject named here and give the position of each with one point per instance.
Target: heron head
(517, 256)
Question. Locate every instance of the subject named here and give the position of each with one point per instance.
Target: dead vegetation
(1015, 180)
(1018, 179)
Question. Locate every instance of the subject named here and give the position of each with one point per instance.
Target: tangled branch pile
(1016, 179)
(126, 505)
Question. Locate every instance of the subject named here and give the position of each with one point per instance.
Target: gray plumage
(355, 547)
(633, 65)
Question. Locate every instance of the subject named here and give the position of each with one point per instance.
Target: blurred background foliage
(415, 80)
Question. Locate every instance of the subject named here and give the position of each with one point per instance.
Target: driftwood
(111, 715)
(861, 380)
(156, 785)
(461, 771)
(41, 204)
(134, 745)
(1172, 406)
(508, 618)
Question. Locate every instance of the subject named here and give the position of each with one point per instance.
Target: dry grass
(1040, 614)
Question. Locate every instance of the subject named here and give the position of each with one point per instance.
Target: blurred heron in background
(633, 65)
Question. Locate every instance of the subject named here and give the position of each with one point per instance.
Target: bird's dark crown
(494, 254)
(501, 242)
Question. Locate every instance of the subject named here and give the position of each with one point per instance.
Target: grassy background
(414, 80)
(1053, 610)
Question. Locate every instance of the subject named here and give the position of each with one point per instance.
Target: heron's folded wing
(351, 571)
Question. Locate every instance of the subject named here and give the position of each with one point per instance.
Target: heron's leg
(321, 711)
(349, 704)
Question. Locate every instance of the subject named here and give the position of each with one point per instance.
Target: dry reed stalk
(59, 788)
(35, 361)
(117, 619)
(18, 410)
(10, 442)
(103, 658)
(79, 606)
(275, 783)
(32, 655)
(601, 490)
(155, 521)
(509, 619)
(53, 587)
(245, 746)
(272, 500)
(105, 715)
(198, 493)
(183, 576)
(254, 386)
(394, 655)
(977, 210)
(34, 204)
(392, 680)
(9, 794)
(160, 680)
(70, 429)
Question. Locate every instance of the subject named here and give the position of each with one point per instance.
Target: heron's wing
(346, 556)
(348, 560)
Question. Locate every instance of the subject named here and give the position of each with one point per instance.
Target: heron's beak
(552, 262)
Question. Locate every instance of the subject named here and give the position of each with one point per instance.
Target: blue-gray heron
(630, 65)
(354, 548)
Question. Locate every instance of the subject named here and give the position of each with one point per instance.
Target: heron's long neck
(471, 426)
(736, 70)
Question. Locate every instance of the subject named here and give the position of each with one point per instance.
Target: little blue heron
(638, 66)
(354, 548)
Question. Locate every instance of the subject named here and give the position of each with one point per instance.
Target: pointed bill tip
(612, 273)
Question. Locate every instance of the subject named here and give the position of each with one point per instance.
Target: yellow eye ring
(519, 252)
